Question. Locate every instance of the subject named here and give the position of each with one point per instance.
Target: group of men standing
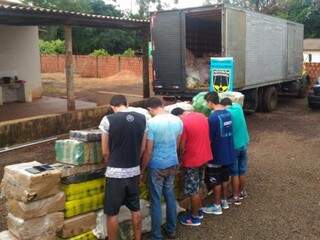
(215, 146)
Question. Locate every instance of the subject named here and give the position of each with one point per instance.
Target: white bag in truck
(184, 105)
(236, 97)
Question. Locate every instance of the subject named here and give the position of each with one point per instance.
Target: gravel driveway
(283, 179)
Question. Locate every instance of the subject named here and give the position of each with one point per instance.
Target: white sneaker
(224, 204)
(213, 209)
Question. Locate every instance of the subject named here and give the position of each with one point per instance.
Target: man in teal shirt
(241, 140)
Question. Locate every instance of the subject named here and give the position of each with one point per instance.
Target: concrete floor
(45, 105)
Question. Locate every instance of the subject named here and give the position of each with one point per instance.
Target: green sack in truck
(200, 104)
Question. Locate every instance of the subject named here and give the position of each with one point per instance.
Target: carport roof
(36, 16)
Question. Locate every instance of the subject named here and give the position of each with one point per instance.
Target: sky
(126, 5)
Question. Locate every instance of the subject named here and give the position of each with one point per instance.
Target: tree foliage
(100, 52)
(144, 6)
(86, 40)
(52, 47)
(115, 41)
(128, 53)
(306, 12)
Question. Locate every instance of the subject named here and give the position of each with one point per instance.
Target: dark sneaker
(243, 195)
(169, 235)
(234, 200)
(189, 220)
(200, 214)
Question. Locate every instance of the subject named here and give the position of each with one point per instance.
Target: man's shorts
(240, 166)
(192, 180)
(121, 191)
(216, 176)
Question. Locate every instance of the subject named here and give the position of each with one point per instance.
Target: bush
(128, 53)
(52, 47)
(100, 52)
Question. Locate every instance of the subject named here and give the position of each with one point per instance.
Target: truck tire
(269, 99)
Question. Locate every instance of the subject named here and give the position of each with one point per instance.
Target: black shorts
(121, 191)
(216, 176)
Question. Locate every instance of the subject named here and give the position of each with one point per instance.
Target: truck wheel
(269, 99)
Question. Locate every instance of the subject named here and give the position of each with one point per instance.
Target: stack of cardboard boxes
(35, 202)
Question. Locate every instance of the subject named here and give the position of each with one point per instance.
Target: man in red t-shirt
(195, 152)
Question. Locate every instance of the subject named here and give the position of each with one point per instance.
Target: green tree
(51, 47)
(144, 6)
(69, 5)
(128, 53)
(303, 11)
(86, 40)
(100, 52)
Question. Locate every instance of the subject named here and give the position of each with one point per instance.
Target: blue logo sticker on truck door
(221, 74)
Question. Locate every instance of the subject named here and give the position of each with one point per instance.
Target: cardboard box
(6, 235)
(43, 228)
(78, 225)
(21, 185)
(36, 208)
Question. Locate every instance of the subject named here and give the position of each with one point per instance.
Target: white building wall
(315, 55)
(19, 55)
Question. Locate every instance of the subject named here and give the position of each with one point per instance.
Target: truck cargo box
(267, 50)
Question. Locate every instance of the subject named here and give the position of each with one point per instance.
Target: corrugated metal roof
(311, 44)
(27, 11)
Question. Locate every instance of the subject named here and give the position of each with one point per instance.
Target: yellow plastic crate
(84, 205)
(84, 236)
(84, 189)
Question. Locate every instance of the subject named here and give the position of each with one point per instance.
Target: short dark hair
(226, 102)
(177, 111)
(154, 102)
(212, 97)
(118, 100)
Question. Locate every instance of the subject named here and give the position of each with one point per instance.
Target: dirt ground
(283, 179)
(98, 90)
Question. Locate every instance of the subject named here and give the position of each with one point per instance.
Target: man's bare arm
(147, 154)
(178, 141)
(105, 146)
(143, 144)
(182, 146)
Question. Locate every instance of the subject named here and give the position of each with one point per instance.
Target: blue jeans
(161, 181)
(240, 165)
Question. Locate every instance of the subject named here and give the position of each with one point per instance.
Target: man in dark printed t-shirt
(217, 172)
(123, 142)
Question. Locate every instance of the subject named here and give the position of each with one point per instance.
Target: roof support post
(145, 65)
(71, 106)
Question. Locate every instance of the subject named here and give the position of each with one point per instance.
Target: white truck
(268, 52)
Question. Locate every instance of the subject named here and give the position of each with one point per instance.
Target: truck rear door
(166, 29)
